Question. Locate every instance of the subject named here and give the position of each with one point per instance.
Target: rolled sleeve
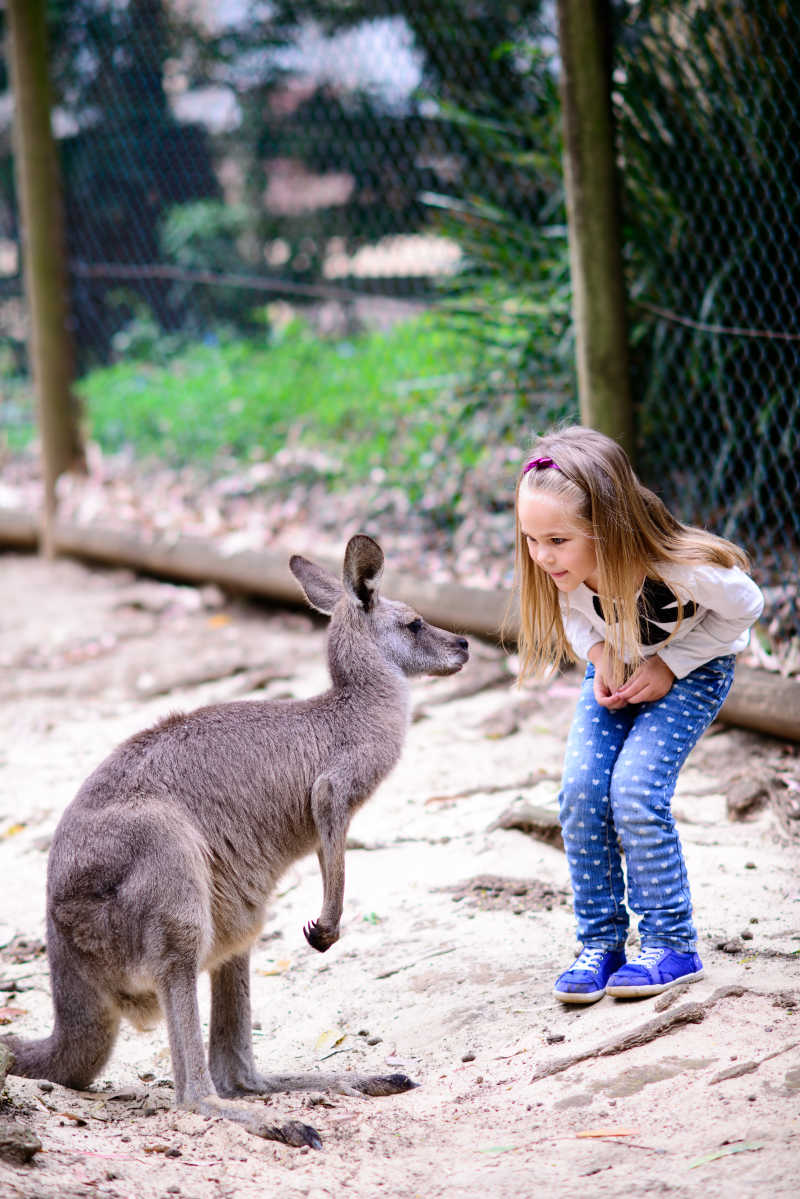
(732, 603)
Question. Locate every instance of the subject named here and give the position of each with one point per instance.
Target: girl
(658, 609)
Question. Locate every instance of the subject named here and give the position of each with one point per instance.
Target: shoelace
(648, 957)
(589, 959)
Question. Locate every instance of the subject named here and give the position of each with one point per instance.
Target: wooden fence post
(584, 32)
(42, 239)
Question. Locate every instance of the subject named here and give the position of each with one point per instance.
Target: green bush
(389, 401)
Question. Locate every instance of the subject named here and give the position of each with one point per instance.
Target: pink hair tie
(540, 464)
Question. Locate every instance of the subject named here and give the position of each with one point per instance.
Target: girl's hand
(650, 681)
(604, 694)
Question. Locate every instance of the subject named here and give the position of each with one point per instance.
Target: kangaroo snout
(457, 656)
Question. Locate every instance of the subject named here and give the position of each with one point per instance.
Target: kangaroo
(163, 863)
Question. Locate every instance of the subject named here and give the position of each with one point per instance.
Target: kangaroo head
(401, 636)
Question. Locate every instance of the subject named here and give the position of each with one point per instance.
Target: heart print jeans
(620, 772)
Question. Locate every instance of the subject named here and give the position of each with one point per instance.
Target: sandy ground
(450, 983)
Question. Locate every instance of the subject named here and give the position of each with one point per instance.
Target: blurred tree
(125, 159)
(39, 191)
(130, 165)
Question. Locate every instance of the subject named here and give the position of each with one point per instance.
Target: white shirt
(720, 605)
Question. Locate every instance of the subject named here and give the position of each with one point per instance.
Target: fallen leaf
(280, 967)
(220, 621)
(7, 1014)
(12, 830)
(745, 1147)
(329, 1039)
(608, 1131)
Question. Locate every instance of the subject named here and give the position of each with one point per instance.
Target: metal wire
(707, 97)
(210, 168)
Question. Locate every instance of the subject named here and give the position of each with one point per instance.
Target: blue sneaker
(585, 981)
(655, 969)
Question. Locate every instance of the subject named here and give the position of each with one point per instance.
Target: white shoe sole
(577, 997)
(644, 989)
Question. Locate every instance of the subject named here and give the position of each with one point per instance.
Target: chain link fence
(219, 157)
(707, 98)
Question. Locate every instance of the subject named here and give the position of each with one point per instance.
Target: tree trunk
(42, 238)
(590, 174)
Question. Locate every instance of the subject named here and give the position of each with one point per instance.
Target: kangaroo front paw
(320, 937)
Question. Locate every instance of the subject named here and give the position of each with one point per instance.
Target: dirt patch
(454, 929)
(492, 892)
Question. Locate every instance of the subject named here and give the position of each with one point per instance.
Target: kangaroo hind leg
(85, 1027)
(194, 1088)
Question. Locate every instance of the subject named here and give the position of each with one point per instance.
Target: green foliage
(707, 100)
(204, 237)
(17, 420)
(513, 297)
(388, 402)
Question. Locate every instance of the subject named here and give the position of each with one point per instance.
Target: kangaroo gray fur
(162, 865)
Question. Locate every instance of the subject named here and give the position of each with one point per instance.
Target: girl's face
(557, 540)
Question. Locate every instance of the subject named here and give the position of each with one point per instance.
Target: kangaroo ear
(323, 590)
(363, 567)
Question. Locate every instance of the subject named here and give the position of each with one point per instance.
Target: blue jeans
(620, 772)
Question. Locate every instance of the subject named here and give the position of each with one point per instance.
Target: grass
(377, 400)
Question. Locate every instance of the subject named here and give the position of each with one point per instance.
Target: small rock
(18, 1145)
(746, 797)
(732, 946)
(537, 822)
(553, 1038)
(6, 1062)
(750, 866)
(497, 725)
(468, 1057)
(374, 1040)
(45, 1087)
(746, 934)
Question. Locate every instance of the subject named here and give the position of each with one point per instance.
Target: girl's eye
(415, 625)
(558, 540)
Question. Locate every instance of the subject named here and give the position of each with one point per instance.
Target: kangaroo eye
(415, 625)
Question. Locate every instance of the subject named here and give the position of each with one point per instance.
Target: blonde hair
(634, 534)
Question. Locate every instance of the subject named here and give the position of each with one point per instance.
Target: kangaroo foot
(320, 937)
(293, 1132)
(340, 1084)
(372, 1085)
